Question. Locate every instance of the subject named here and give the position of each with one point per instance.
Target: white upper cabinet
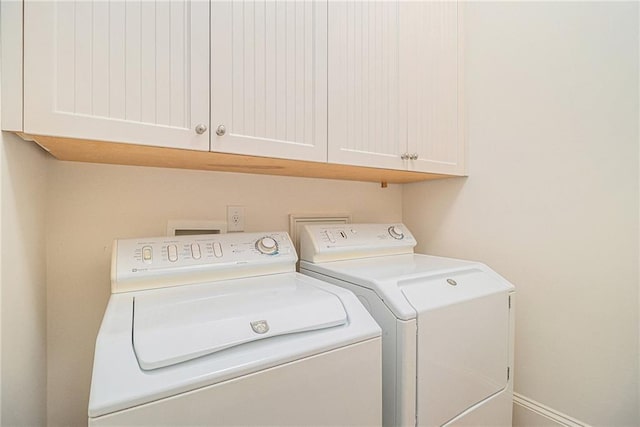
(269, 78)
(122, 71)
(395, 86)
(376, 84)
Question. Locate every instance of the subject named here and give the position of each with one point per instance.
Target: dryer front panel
(463, 342)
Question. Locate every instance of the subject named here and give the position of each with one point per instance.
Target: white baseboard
(549, 413)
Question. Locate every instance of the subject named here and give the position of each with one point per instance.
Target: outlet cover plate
(235, 218)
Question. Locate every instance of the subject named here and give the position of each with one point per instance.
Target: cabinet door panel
(395, 85)
(269, 78)
(434, 73)
(367, 115)
(123, 71)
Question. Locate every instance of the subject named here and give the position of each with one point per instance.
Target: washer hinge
(508, 372)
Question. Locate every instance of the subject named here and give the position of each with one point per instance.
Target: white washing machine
(221, 330)
(447, 345)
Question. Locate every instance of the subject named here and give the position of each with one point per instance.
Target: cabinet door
(123, 71)
(367, 107)
(434, 73)
(395, 85)
(269, 78)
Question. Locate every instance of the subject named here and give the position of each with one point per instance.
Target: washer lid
(169, 330)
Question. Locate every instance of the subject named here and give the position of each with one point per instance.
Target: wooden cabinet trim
(140, 155)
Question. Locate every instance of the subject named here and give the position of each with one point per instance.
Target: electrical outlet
(235, 218)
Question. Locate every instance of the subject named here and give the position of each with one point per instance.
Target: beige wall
(23, 171)
(551, 200)
(90, 205)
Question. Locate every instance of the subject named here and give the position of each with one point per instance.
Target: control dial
(267, 246)
(396, 232)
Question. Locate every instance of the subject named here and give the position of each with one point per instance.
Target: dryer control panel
(322, 243)
(148, 263)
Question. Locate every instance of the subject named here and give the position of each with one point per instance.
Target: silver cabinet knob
(405, 156)
(200, 129)
(414, 156)
(221, 130)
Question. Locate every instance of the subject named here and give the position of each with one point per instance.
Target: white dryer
(221, 330)
(447, 345)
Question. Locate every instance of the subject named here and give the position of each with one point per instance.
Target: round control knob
(267, 245)
(396, 232)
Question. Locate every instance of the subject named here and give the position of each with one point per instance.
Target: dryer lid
(167, 331)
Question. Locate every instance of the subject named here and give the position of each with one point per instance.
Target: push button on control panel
(195, 251)
(147, 254)
(217, 249)
(172, 252)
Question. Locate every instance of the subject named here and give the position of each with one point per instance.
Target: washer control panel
(319, 243)
(168, 261)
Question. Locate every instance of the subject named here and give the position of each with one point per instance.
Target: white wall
(90, 205)
(551, 200)
(23, 170)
